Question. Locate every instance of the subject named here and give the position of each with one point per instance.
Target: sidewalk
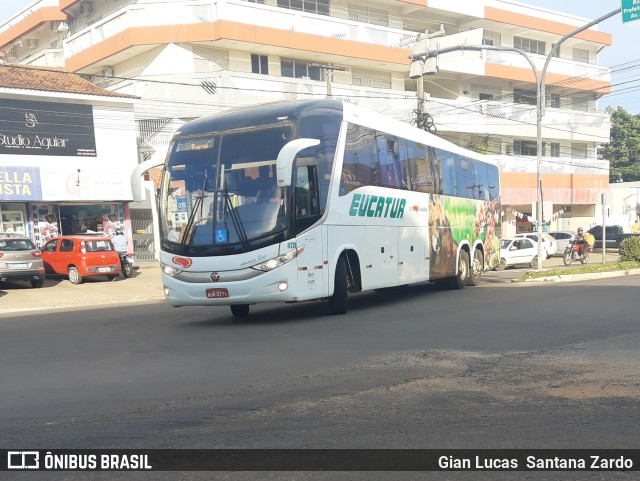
(59, 293)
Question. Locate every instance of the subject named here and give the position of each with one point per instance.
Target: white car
(549, 244)
(518, 250)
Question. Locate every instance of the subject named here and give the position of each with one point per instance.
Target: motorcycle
(126, 264)
(572, 253)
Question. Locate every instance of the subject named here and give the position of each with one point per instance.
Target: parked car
(563, 239)
(516, 251)
(613, 235)
(20, 260)
(80, 256)
(549, 244)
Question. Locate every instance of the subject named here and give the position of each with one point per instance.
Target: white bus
(302, 200)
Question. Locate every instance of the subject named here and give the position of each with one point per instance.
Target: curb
(583, 277)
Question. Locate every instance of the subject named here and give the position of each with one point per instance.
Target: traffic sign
(630, 10)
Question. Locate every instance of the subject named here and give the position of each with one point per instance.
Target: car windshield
(504, 243)
(16, 245)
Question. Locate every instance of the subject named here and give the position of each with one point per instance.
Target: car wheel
(534, 262)
(501, 265)
(37, 283)
(74, 275)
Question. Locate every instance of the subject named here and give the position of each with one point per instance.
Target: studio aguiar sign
(46, 128)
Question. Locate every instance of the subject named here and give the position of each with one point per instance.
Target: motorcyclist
(120, 242)
(581, 241)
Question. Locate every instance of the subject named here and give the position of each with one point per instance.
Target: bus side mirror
(286, 156)
(136, 178)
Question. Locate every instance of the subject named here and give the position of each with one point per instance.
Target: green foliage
(482, 147)
(630, 249)
(624, 150)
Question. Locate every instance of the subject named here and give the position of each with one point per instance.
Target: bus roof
(261, 114)
(273, 112)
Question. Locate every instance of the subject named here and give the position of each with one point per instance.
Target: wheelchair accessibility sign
(221, 236)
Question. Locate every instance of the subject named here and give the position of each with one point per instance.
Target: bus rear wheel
(240, 310)
(339, 301)
(475, 271)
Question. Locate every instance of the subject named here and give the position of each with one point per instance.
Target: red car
(80, 256)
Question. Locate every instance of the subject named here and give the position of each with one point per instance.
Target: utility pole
(328, 70)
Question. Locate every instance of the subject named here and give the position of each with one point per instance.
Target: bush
(630, 249)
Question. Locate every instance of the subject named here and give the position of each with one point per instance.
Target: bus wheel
(460, 279)
(475, 271)
(339, 301)
(240, 310)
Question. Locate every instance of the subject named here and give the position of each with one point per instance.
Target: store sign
(20, 183)
(46, 128)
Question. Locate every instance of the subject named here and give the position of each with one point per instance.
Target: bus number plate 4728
(217, 293)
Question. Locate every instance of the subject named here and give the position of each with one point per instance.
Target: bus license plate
(217, 293)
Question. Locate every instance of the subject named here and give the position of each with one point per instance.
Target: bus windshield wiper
(192, 216)
(235, 219)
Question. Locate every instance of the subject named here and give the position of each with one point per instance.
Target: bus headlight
(170, 271)
(278, 261)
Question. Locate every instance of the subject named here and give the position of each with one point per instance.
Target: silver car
(20, 260)
(563, 238)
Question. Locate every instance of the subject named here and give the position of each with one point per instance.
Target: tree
(624, 150)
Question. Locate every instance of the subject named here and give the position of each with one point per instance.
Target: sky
(623, 57)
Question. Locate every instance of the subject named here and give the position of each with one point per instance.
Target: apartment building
(185, 59)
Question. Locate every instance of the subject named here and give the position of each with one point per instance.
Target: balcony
(181, 13)
(50, 57)
(576, 71)
(236, 89)
(517, 120)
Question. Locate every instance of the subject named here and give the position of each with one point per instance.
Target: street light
(540, 104)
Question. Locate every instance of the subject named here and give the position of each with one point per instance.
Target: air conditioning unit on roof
(86, 8)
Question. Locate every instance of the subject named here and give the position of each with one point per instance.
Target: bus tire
(475, 270)
(339, 301)
(240, 310)
(459, 281)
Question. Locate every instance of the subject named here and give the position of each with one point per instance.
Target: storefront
(61, 171)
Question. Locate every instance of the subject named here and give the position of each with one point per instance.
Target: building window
(556, 53)
(300, 69)
(321, 7)
(260, 64)
(580, 103)
(371, 78)
(554, 149)
(491, 38)
(530, 45)
(525, 147)
(522, 96)
(578, 150)
(580, 55)
(365, 14)
(553, 101)
(485, 92)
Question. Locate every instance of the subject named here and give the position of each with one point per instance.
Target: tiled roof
(51, 80)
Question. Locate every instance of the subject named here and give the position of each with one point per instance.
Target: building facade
(185, 59)
(67, 149)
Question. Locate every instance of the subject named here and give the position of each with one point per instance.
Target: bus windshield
(221, 190)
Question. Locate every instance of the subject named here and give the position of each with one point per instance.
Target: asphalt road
(499, 365)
